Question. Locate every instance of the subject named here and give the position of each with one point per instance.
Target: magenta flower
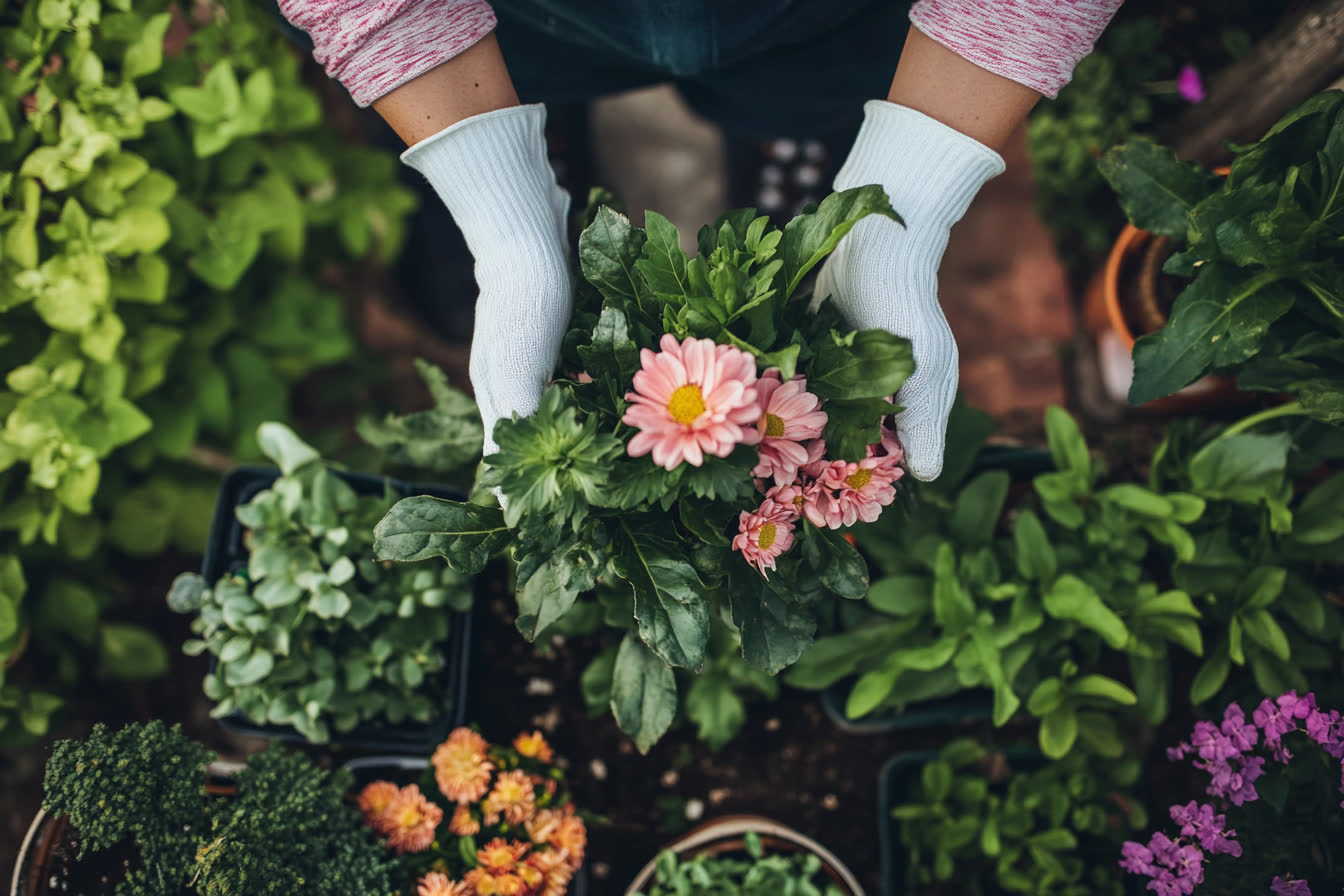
(1272, 719)
(1327, 729)
(1198, 820)
(1137, 859)
(692, 399)
(1190, 85)
(1241, 734)
(1211, 744)
(790, 416)
(1281, 887)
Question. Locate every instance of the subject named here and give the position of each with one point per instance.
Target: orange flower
(557, 880)
(531, 875)
(462, 824)
(573, 839)
(533, 746)
(410, 820)
(436, 884)
(461, 768)
(512, 797)
(544, 825)
(373, 802)
(500, 854)
(485, 883)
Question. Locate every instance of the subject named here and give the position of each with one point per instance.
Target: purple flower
(1242, 734)
(1241, 789)
(1178, 752)
(1190, 85)
(1189, 867)
(1281, 887)
(1164, 883)
(1164, 849)
(1272, 719)
(1138, 859)
(1280, 753)
(1327, 729)
(1210, 742)
(1201, 822)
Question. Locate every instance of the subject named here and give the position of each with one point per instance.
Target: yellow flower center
(686, 403)
(767, 536)
(799, 500)
(858, 479)
(774, 427)
(409, 817)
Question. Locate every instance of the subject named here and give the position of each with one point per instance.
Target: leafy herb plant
(314, 633)
(754, 873)
(585, 510)
(999, 825)
(288, 829)
(1266, 296)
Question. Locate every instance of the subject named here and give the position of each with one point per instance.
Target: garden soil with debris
(789, 762)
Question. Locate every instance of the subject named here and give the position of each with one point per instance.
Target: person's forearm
(471, 83)
(942, 85)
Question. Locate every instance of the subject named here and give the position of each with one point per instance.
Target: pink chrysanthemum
(889, 452)
(816, 461)
(789, 417)
(791, 498)
(410, 821)
(438, 884)
(512, 797)
(765, 534)
(847, 492)
(692, 399)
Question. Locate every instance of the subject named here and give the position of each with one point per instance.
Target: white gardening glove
(884, 276)
(492, 173)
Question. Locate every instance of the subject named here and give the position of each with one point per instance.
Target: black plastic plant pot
(403, 770)
(964, 708)
(226, 551)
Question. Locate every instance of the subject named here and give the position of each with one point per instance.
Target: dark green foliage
(288, 830)
(1262, 246)
(1016, 826)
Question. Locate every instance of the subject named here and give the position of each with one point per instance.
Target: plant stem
(1292, 408)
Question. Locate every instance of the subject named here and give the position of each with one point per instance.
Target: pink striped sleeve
(374, 46)
(1033, 42)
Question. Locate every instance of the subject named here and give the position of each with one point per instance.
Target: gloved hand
(492, 173)
(884, 276)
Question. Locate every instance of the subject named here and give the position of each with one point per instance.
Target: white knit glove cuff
(930, 171)
(492, 173)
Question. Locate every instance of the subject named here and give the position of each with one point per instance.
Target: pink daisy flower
(889, 451)
(764, 535)
(692, 399)
(816, 463)
(847, 492)
(790, 415)
(791, 498)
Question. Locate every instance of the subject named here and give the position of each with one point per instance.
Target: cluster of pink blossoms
(1176, 866)
(697, 398)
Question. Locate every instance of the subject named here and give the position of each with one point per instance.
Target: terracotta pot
(1114, 310)
(32, 873)
(727, 835)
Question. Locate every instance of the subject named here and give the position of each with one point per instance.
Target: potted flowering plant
(144, 809)
(707, 438)
(476, 819)
(1272, 821)
(309, 637)
(741, 855)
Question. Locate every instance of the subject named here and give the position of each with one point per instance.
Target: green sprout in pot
(977, 821)
(315, 633)
(751, 871)
(287, 828)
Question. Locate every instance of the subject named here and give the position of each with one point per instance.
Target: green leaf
(854, 424)
(1067, 445)
(608, 250)
(1261, 628)
(662, 262)
(1006, 701)
(902, 595)
(1211, 675)
(774, 633)
(1035, 555)
(1137, 499)
(670, 609)
(953, 606)
(643, 693)
(718, 713)
(1243, 467)
(810, 238)
(836, 562)
(1099, 687)
(549, 592)
(129, 651)
(872, 689)
(613, 357)
(978, 508)
(441, 439)
(1059, 731)
(466, 535)
(1220, 320)
(1156, 190)
(860, 364)
(281, 445)
(1319, 519)
(1072, 598)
